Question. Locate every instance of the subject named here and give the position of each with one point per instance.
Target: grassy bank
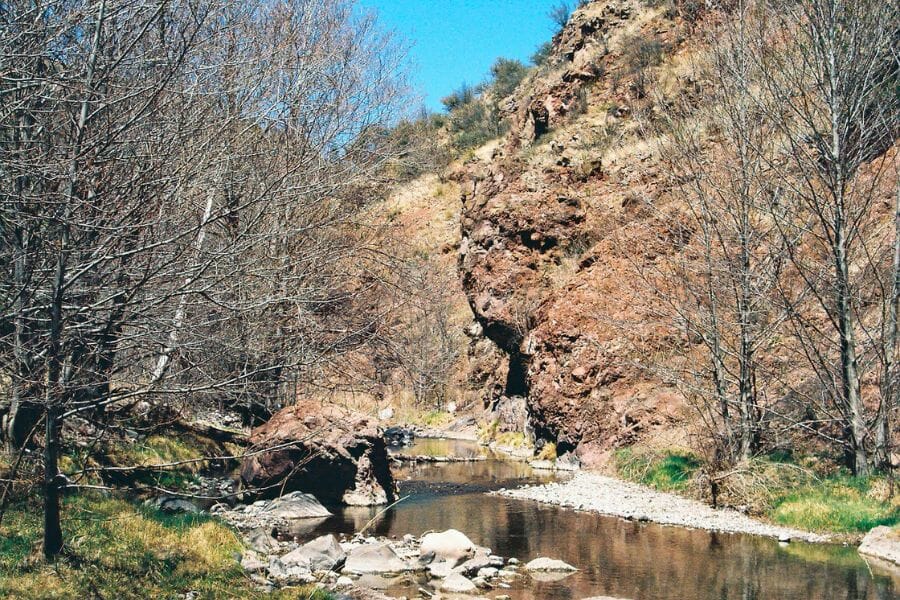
(116, 549)
(804, 493)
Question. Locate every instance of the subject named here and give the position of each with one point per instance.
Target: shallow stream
(617, 558)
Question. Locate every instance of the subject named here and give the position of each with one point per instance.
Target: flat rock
(262, 541)
(440, 568)
(482, 558)
(549, 565)
(457, 584)
(321, 554)
(375, 558)
(295, 505)
(882, 542)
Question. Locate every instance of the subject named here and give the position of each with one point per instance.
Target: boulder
(337, 455)
(480, 560)
(293, 573)
(322, 554)
(883, 543)
(375, 558)
(450, 545)
(295, 505)
(262, 541)
(457, 584)
(549, 565)
(173, 504)
(399, 436)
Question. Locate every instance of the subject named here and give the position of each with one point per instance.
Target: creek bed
(617, 558)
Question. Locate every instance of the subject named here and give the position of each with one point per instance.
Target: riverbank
(613, 497)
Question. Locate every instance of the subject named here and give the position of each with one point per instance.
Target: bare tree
(828, 88)
(720, 284)
(178, 214)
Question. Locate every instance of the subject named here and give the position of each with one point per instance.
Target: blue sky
(456, 41)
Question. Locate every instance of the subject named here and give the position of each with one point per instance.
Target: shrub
(506, 75)
(640, 53)
(668, 471)
(542, 54)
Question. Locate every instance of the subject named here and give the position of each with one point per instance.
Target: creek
(615, 557)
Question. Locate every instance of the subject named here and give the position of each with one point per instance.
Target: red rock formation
(334, 454)
(521, 221)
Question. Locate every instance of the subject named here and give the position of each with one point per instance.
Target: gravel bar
(608, 496)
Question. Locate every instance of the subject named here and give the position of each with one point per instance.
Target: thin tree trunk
(162, 362)
(55, 391)
(852, 399)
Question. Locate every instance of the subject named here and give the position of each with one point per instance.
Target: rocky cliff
(554, 227)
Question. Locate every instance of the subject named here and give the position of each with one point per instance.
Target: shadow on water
(617, 558)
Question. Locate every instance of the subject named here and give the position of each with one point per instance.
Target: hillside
(572, 230)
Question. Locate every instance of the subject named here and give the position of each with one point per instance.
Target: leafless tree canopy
(179, 183)
(789, 173)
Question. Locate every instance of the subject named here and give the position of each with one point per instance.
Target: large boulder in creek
(883, 543)
(336, 455)
(321, 554)
(375, 558)
(451, 546)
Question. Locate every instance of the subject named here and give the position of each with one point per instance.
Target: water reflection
(617, 558)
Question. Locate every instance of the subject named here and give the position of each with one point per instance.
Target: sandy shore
(608, 496)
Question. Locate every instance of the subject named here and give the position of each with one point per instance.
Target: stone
(568, 462)
(440, 568)
(172, 504)
(335, 454)
(261, 540)
(375, 558)
(549, 565)
(399, 436)
(488, 572)
(457, 584)
(295, 505)
(279, 571)
(450, 545)
(251, 562)
(883, 543)
(386, 414)
(480, 560)
(321, 554)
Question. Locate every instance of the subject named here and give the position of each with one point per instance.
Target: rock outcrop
(552, 228)
(336, 455)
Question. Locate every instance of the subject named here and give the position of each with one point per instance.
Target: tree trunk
(852, 400)
(53, 539)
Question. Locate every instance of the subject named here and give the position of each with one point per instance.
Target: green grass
(805, 492)
(668, 471)
(116, 549)
(841, 503)
(159, 450)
